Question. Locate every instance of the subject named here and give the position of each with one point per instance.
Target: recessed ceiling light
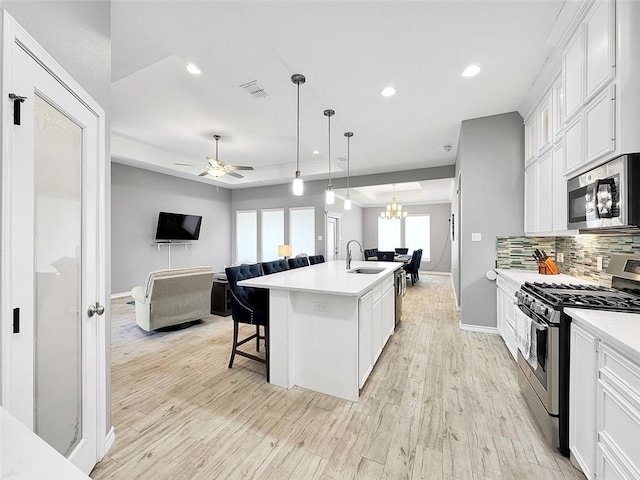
(316, 152)
(192, 69)
(388, 92)
(471, 71)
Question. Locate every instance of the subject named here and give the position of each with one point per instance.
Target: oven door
(544, 378)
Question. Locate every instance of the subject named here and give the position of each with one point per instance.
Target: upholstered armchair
(298, 262)
(174, 296)
(315, 259)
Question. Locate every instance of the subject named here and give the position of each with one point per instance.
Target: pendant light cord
(298, 132)
(329, 149)
(348, 160)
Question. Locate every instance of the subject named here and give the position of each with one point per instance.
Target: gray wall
(138, 196)
(78, 36)
(491, 161)
(455, 241)
(280, 196)
(440, 245)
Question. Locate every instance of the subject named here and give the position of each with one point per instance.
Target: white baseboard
(455, 295)
(120, 295)
(109, 439)
(478, 328)
(431, 272)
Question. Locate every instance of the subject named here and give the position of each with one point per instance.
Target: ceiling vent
(255, 89)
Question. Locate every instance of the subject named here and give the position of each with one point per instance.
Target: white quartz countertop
(619, 329)
(328, 277)
(25, 456)
(522, 276)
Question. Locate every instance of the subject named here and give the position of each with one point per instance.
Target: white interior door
(55, 270)
(332, 239)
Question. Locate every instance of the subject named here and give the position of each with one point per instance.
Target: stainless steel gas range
(546, 387)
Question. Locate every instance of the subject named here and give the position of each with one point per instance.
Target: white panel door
(573, 71)
(544, 194)
(530, 174)
(599, 46)
(54, 260)
(559, 189)
(599, 120)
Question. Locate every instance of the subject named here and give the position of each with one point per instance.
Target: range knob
(540, 309)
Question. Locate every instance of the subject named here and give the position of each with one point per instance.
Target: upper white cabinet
(530, 139)
(558, 108)
(572, 71)
(530, 204)
(543, 123)
(599, 32)
(599, 125)
(560, 208)
(544, 194)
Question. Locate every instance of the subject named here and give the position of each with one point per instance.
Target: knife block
(543, 269)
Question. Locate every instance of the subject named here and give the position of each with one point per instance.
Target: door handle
(96, 309)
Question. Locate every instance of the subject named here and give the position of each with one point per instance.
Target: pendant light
(330, 196)
(347, 198)
(298, 182)
(394, 209)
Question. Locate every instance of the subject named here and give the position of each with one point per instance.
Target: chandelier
(394, 209)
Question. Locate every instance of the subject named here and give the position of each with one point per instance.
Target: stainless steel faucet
(349, 252)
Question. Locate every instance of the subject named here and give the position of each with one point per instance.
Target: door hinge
(17, 100)
(16, 320)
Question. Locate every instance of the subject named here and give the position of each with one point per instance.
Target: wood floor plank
(441, 403)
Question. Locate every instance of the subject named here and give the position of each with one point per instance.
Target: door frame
(13, 34)
(338, 218)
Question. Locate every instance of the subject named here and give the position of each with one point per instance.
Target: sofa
(174, 296)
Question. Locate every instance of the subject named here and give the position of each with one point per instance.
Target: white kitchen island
(327, 327)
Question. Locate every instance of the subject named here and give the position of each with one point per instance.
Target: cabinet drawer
(508, 287)
(621, 374)
(619, 425)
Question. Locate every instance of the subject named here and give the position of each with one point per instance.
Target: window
(272, 233)
(302, 230)
(388, 234)
(247, 236)
(417, 234)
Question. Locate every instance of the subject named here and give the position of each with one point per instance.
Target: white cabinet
(604, 409)
(559, 207)
(530, 139)
(573, 151)
(530, 185)
(582, 398)
(506, 304)
(599, 125)
(388, 310)
(557, 109)
(544, 194)
(365, 337)
(543, 122)
(599, 29)
(376, 322)
(572, 70)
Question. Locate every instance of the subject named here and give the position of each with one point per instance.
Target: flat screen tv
(177, 226)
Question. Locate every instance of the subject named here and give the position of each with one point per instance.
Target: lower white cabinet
(376, 322)
(582, 398)
(604, 411)
(506, 305)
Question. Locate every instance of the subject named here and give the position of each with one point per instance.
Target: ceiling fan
(218, 168)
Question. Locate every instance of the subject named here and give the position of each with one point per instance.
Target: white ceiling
(348, 51)
(429, 191)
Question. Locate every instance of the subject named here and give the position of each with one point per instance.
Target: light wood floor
(441, 404)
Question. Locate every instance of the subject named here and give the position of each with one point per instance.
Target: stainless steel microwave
(607, 198)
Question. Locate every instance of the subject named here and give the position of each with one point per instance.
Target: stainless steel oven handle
(526, 311)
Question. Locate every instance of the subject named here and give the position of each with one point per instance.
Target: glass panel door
(58, 159)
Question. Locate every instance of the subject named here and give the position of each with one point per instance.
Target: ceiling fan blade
(188, 165)
(205, 173)
(234, 174)
(237, 167)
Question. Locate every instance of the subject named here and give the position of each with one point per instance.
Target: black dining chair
(298, 262)
(412, 266)
(315, 259)
(402, 251)
(249, 306)
(274, 267)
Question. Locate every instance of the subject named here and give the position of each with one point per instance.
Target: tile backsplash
(581, 253)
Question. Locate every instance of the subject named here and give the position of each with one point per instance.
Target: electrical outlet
(319, 238)
(560, 257)
(599, 263)
(322, 307)
(476, 237)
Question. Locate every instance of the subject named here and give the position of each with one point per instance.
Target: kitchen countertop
(522, 276)
(25, 456)
(620, 329)
(328, 277)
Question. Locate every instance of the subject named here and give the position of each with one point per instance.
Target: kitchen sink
(367, 270)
